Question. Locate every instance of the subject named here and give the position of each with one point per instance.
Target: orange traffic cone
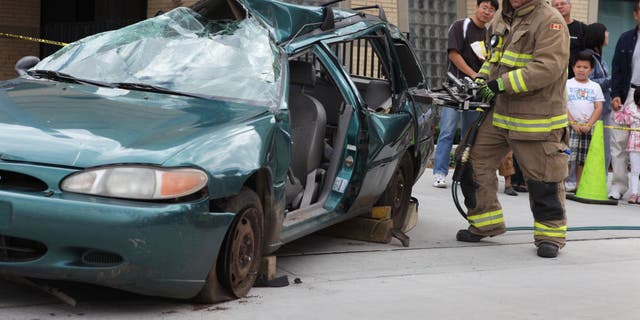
(593, 183)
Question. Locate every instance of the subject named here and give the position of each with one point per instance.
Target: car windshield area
(179, 51)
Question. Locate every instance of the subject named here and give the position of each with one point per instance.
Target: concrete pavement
(596, 275)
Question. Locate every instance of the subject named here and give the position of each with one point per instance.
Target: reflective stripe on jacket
(529, 50)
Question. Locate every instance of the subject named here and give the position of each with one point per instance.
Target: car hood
(84, 126)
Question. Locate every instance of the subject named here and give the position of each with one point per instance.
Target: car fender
(232, 156)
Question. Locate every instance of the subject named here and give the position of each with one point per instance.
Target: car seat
(378, 95)
(308, 121)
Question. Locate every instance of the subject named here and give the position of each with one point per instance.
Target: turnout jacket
(529, 49)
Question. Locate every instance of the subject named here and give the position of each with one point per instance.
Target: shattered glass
(181, 51)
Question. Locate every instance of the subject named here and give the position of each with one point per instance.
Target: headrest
(301, 72)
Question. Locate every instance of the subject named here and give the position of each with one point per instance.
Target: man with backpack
(466, 50)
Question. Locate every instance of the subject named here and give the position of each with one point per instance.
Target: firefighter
(524, 79)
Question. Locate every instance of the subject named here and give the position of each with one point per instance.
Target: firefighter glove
(488, 91)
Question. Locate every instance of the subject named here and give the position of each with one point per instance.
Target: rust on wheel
(243, 259)
(239, 258)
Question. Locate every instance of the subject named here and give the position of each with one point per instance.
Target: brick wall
(153, 6)
(18, 17)
(579, 9)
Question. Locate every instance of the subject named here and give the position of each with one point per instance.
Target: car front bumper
(164, 249)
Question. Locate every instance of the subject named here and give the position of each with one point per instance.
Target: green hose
(588, 228)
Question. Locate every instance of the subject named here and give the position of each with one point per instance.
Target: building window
(429, 22)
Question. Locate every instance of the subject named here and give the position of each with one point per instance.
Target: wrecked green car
(168, 157)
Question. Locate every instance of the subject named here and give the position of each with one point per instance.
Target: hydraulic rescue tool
(460, 94)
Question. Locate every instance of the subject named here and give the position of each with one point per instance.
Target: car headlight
(136, 182)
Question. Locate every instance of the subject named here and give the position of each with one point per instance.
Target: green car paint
(223, 109)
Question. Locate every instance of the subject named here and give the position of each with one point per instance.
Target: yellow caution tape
(622, 128)
(9, 35)
(609, 127)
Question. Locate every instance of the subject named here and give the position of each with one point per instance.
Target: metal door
(71, 20)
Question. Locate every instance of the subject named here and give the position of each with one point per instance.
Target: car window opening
(361, 58)
(410, 66)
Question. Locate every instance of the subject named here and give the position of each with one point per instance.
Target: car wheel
(239, 258)
(398, 192)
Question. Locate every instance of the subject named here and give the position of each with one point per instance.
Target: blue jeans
(448, 125)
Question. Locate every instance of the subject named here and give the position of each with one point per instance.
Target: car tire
(398, 191)
(239, 259)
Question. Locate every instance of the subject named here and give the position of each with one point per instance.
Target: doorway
(71, 20)
(617, 16)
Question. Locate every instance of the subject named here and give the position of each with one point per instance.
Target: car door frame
(377, 169)
(330, 209)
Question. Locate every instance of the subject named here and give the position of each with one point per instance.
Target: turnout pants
(544, 166)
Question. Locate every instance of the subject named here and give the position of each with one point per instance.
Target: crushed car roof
(284, 20)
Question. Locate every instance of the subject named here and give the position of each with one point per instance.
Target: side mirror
(25, 63)
(421, 95)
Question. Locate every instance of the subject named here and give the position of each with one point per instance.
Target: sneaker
(439, 180)
(465, 235)
(547, 250)
(633, 198)
(570, 186)
(614, 195)
(510, 191)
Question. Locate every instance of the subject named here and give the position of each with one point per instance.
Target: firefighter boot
(547, 250)
(465, 235)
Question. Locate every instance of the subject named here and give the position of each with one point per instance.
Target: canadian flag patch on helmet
(555, 26)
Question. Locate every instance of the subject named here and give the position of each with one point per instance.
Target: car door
(424, 115)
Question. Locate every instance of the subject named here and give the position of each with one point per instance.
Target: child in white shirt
(584, 105)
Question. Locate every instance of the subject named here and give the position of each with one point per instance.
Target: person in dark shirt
(596, 37)
(465, 49)
(576, 28)
(577, 33)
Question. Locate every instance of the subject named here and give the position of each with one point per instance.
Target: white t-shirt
(581, 98)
